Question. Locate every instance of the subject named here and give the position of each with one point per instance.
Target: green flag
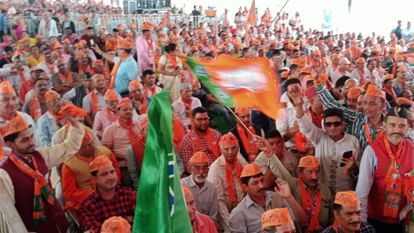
(160, 204)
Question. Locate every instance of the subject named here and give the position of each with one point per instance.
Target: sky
(366, 16)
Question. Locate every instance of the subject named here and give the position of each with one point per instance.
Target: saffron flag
(165, 20)
(238, 82)
(251, 17)
(160, 204)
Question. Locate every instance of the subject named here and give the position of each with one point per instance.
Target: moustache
(355, 223)
(261, 190)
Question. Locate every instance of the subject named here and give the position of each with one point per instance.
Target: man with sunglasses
(332, 145)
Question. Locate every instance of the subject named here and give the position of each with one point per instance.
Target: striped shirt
(356, 122)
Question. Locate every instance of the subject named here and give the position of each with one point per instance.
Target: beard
(199, 178)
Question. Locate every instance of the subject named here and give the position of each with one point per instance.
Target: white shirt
(285, 120)
(181, 112)
(329, 153)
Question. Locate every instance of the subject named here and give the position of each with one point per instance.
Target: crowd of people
(73, 125)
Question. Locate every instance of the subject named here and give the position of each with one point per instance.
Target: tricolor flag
(235, 82)
(160, 204)
(251, 17)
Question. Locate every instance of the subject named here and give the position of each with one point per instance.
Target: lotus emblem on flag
(250, 78)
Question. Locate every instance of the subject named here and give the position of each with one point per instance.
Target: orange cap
(198, 158)
(110, 95)
(373, 90)
(50, 95)
(300, 61)
(88, 138)
(72, 110)
(6, 88)
(116, 225)
(354, 92)
(360, 60)
(242, 110)
(124, 44)
(101, 161)
(134, 85)
(146, 25)
(305, 70)
(348, 198)
(228, 139)
(124, 102)
(276, 217)
(285, 74)
(81, 44)
(15, 125)
(308, 161)
(250, 170)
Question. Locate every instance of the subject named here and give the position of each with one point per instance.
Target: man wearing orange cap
(76, 178)
(106, 116)
(25, 174)
(246, 141)
(95, 100)
(116, 225)
(277, 220)
(384, 164)
(347, 212)
(331, 144)
(225, 174)
(201, 223)
(109, 199)
(48, 123)
(200, 138)
(136, 95)
(125, 67)
(364, 125)
(204, 192)
(352, 97)
(120, 134)
(145, 48)
(314, 197)
(246, 217)
(184, 105)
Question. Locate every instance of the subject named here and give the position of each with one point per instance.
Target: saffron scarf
(66, 78)
(393, 181)
(368, 134)
(311, 206)
(172, 60)
(152, 89)
(35, 111)
(114, 73)
(22, 76)
(42, 191)
(235, 168)
(248, 146)
(144, 105)
(134, 138)
(111, 116)
(188, 107)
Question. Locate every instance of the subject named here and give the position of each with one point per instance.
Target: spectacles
(335, 123)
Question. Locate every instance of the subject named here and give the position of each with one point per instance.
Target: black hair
(273, 133)
(245, 180)
(337, 207)
(293, 67)
(292, 81)
(89, 28)
(145, 30)
(198, 110)
(147, 72)
(127, 50)
(387, 81)
(170, 47)
(8, 49)
(114, 30)
(341, 81)
(94, 173)
(397, 111)
(333, 112)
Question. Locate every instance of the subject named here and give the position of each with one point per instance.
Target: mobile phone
(346, 155)
(92, 42)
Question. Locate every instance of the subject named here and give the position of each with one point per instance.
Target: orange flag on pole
(165, 19)
(235, 82)
(251, 17)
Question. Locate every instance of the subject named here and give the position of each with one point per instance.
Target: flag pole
(241, 122)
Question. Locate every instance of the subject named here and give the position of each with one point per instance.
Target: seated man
(108, 200)
(76, 178)
(204, 192)
(185, 104)
(347, 211)
(277, 220)
(201, 223)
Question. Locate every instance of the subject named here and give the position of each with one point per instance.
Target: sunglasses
(330, 124)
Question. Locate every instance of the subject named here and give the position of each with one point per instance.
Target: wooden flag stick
(241, 122)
